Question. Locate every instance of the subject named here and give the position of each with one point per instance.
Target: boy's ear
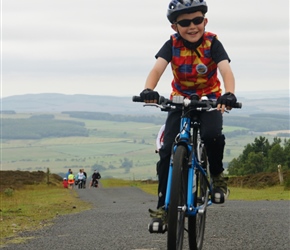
(174, 27)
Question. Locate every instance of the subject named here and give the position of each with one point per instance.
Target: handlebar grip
(136, 98)
(139, 99)
(238, 105)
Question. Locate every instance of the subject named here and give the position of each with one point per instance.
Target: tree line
(256, 123)
(261, 156)
(45, 125)
(259, 122)
(155, 119)
(37, 128)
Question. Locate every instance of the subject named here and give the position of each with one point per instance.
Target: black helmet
(177, 7)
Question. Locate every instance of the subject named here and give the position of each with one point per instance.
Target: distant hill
(59, 102)
(265, 102)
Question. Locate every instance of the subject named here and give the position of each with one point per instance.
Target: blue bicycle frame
(184, 138)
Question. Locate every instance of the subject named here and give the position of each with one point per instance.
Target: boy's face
(193, 32)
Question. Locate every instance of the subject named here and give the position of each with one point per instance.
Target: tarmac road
(119, 218)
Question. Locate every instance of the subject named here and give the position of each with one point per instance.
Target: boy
(65, 182)
(195, 55)
(71, 179)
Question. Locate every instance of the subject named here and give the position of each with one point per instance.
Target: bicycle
(80, 184)
(95, 183)
(189, 188)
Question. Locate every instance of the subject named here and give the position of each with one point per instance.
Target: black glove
(148, 95)
(228, 99)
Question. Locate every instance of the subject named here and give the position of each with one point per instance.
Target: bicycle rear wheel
(176, 215)
(196, 224)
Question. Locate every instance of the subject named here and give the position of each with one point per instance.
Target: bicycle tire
(196, 224)
(176, 217)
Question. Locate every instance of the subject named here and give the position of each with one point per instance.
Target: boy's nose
(191, 24)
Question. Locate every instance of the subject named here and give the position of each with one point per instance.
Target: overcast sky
(101, 47)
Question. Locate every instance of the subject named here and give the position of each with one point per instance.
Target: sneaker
(158, 223)
(220, 190)
(160, 213)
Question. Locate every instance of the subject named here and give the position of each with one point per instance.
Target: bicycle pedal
(218, 196)
(157, 226)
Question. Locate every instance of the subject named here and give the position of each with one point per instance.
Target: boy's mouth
(192, 33)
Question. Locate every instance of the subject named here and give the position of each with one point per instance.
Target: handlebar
(166, 104)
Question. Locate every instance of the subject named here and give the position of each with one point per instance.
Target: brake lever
(162, 107)
(152, 105)
(212, 109)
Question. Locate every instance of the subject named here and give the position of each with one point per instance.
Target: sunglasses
(187, 22)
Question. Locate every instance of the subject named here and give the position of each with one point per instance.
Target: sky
(107, 47)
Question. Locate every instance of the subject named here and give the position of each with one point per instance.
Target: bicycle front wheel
(176, 211)
(196, 224)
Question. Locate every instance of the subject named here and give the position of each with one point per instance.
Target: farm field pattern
(108, 145)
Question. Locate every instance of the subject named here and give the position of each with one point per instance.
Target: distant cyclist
(95, 177)
(71, 179)
(81, 178)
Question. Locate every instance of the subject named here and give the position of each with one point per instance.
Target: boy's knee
(217, 140)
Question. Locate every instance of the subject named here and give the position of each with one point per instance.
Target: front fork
(191, 183)
(169, 181)
(184, 138)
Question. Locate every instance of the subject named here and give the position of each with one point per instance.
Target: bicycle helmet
(178, 7)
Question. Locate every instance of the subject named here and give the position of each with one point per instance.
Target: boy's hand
(227, 100)
(149, 96)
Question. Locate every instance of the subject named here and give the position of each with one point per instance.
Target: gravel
(119, 218)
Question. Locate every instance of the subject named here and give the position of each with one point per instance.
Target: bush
(287, 184)
(8, 192)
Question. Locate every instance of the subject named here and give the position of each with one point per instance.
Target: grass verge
(33, 207)
(269, 193)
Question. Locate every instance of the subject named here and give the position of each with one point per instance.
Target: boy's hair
(178, 7)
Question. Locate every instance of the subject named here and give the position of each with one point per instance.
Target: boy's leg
(170, 132)
(214, 140)
(215, 152)
(158, 223)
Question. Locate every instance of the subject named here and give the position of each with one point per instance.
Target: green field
(108, 145)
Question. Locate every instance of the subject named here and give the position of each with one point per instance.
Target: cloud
(108, 47)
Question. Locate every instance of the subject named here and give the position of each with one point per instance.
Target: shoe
(220, 191)
(158, 223)
(160, 213)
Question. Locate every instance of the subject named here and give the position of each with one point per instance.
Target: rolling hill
(253, 103)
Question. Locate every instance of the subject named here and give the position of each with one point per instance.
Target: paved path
(119, 218)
